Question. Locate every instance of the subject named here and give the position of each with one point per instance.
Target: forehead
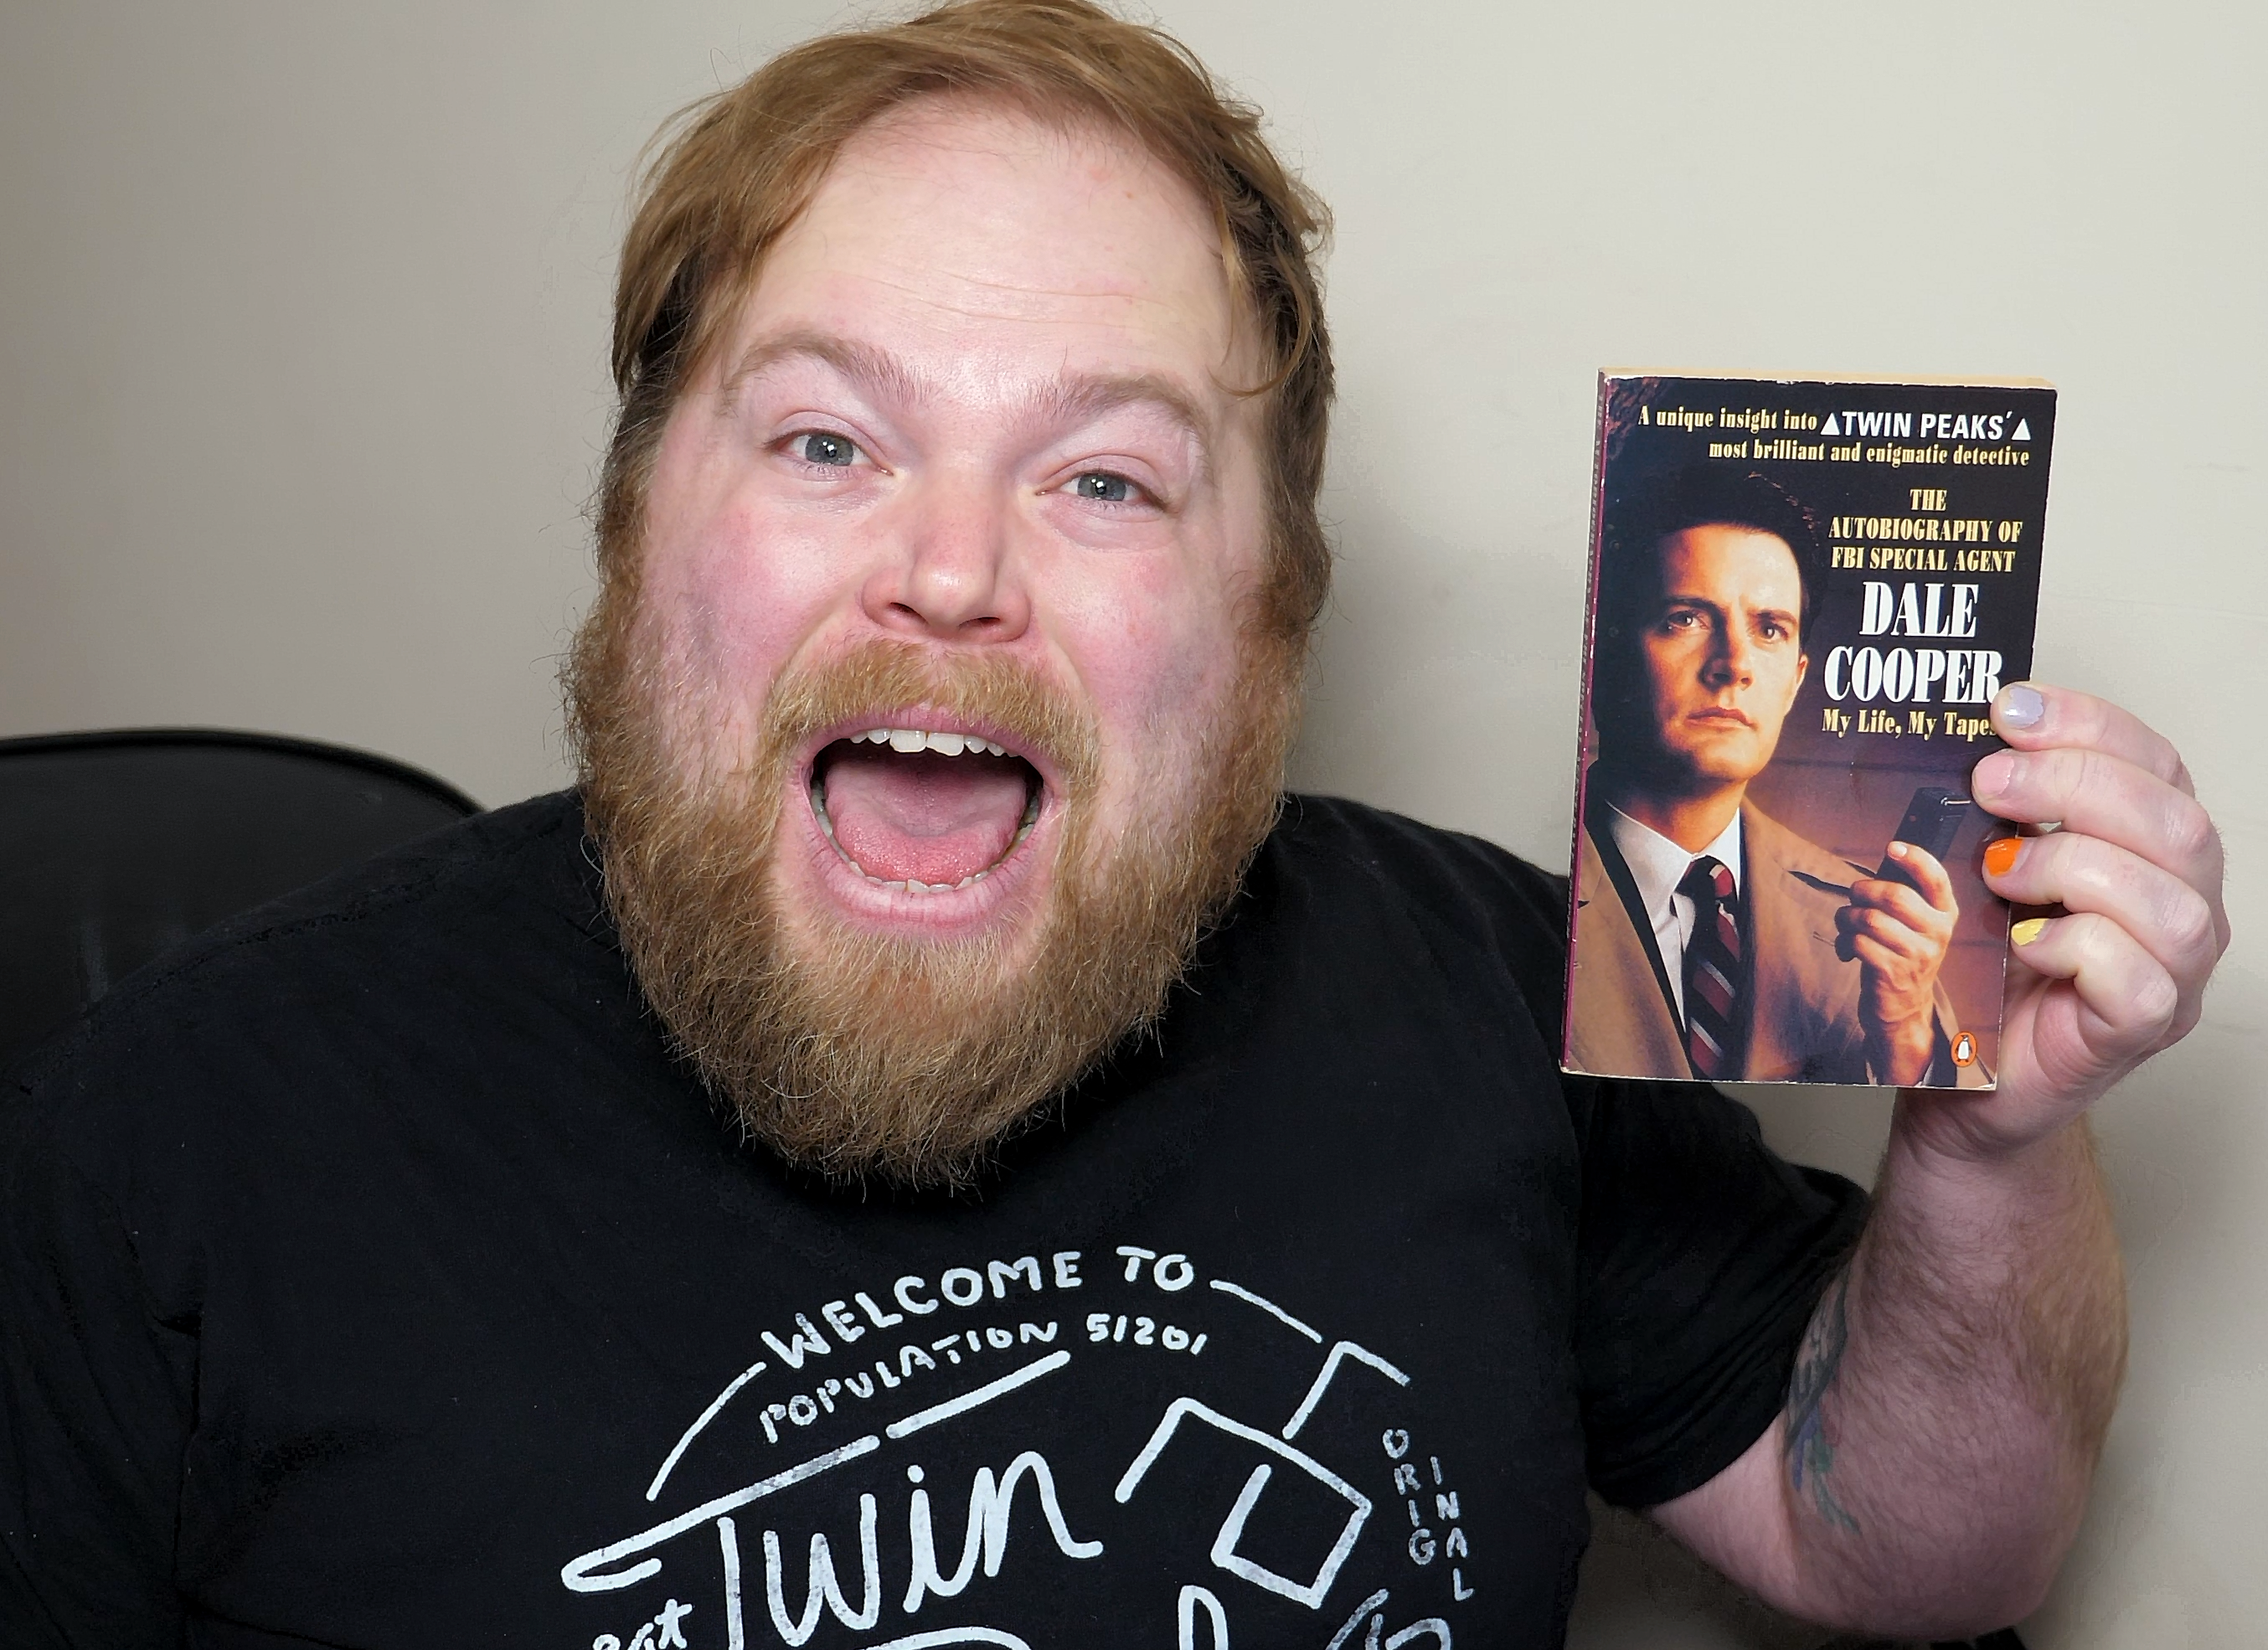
(1729, 562)
(978, 241)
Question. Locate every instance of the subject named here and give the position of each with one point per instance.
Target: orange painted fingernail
(2000, 857)
(2031, 929)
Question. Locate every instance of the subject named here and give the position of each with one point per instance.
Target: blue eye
(1103, 487)
(819, 447)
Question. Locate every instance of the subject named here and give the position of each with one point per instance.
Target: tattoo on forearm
(1809, 1455)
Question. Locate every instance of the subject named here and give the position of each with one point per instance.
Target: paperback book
(1804, 596)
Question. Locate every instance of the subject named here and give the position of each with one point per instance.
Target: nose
(952, 572)
(1731, 659)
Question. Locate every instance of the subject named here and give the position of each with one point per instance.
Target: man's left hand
(2120, 972)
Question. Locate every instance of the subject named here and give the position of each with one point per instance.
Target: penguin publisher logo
(1964, 1049)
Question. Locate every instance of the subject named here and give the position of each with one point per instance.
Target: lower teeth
(912, 885)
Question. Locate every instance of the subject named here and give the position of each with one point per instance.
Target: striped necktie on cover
(1713, 970)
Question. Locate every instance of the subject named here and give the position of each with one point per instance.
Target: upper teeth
(907, 741)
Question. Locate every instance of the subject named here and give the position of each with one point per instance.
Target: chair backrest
(117, 846)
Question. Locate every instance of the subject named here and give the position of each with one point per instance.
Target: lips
(923, 809)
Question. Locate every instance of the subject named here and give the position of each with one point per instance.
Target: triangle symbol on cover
(1829, 429)
(2023, 431)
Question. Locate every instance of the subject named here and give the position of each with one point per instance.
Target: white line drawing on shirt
(1432, 1627)
(1269, 1306)
(1339, 1354)
(984, 1394)
(1193, 1595)
(992, 1504)
(1415, 1630)
(1346, 1632)
(825, 1589)
(807, 1340)
(625, 1563)
(991, 1509)
(707, 1416)
(1224, 1553)
(577, 1571)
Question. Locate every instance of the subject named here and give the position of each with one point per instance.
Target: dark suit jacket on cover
(1804, 999)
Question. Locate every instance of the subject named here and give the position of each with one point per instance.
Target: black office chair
(117, 846)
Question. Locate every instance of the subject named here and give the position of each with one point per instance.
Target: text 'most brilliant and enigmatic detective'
(1804, 595)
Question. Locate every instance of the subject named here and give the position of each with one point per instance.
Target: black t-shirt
(370, 1275)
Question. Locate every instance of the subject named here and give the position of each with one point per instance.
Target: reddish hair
(740, 166)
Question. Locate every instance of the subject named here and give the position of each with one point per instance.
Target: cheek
(1668, 665)
(1171, 637)
(1156, 652)
(734, 592)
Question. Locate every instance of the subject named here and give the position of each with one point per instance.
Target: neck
(1692, 817)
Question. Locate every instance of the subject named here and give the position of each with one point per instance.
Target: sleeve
(1700, 1257)
(96, 1397)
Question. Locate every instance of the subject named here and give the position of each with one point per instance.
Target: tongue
(925, 817)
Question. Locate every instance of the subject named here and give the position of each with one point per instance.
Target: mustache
(875, 679)
(856, 1057)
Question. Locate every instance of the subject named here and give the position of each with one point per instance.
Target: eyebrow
(1076, 396)
(862, 364)
(1080, 396)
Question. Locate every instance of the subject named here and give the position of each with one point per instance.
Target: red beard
(860, 1054)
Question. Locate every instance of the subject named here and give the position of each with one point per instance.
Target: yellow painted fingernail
(2031, 929)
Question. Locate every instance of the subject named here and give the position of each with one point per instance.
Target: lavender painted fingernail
(2021, 706)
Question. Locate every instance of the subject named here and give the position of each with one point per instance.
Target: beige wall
(302, 346)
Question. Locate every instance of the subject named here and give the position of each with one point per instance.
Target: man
(1703, 604)
(948, 1165)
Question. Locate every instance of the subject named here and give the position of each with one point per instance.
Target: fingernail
(1991, 776)
(2026, 932)
(1899, 850)
(2000, 857)
(2021, 706)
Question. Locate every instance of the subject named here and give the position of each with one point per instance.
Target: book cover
(1804, 595)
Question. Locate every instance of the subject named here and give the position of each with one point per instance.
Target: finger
(2170, 919)
(2126, 988)
(1898, 900)
(1913, 945)
(2098, 794)
(1893, 966)
(1871, 953)
(2033, 716)
(1929, 875)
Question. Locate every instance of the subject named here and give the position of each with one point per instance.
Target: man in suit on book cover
(1710, 939)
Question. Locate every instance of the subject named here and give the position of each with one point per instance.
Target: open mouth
(923, 810)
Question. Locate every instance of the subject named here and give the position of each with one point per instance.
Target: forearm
(1933, 1458)
(1953, 1392)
